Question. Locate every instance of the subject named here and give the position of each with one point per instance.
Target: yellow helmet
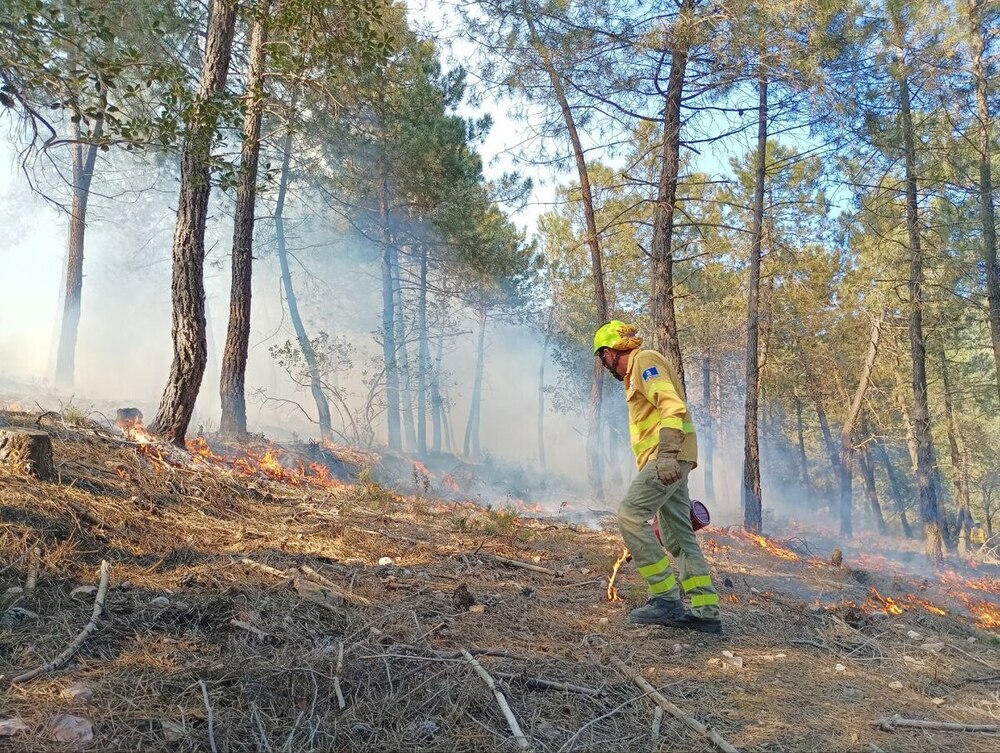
(616, 335)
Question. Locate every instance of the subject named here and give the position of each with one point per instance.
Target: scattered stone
(971, 639)
(125, 585)
(14, 591)
(715, 660)
(361, 731)
(12, 726)
(18, 616)
(840, 668)
(895, 685)
(425, 730)
(83, 591)
(463, 598)
(477, 609)
(677, 648)
(172, 731)
(772, 657)
(754, 590)
(937, 701)
(584, 571)
(78, 691)
(913, 635)
(603, 621)
(67, 728)
(160, 601)
(386, 561)
(728, 654)
(932, 647)
(536, 559)
(736, 662)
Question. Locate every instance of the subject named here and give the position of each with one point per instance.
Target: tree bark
(895, 491)
(388, 321)
(847, 433)
(929, 511)
(84, 158)
(978, 36)
(595, 470)
(305, 344)
(27, 451)
(188, 285)
(402, 354)
(871, 491)
(437, 403)
(962, 500)
(232, 387)
(708, 434)
(803, 458)
(471, 448)
(541, 390)
(751, 496)
(661, 304)
(423, 356)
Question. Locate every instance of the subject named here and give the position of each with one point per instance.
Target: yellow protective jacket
(656, 401)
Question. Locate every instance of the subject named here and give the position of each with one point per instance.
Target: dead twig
(267, 568)
(336, 677)
(515, 728)
(248, 627)
(32, 579)
(333, 587)
(896, 720)
(211, 716)
(538, 682)
(90, 627)
(525, 566)
(718, 740)
(657, 723)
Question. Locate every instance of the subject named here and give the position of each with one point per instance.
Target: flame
(714, 546)
(450, 482)
(612, 591)
(878, 601)
(770, 546)
(733, 598)
(987, 613)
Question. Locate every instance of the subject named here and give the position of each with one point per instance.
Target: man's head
(612, 344)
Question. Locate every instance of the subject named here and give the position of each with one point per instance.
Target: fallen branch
(248, 627)
(211, 716)
(538, 682)
(526, 566)
(90, 627)
(896, 720)
(718, 740)
(32, 579)
(657, 723)
(266, 568)
(333, 587)
(336, 677)
(515, 728)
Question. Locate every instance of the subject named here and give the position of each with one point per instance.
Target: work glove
(668, 469)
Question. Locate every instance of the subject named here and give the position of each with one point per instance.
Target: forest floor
(245, 595)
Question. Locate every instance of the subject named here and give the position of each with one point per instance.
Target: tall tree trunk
(803, 458)
(437, 403)
(929, 512)
(957, 470)
(847, 432)
(388, 321)
(471, 448)
(541, 390)
(423, 356)
(595, 469)
(707, 452)
(402, 353)
(305, 344)
(232, 387)
(871, 492)
(978, 35)
(895, 491)
(188, 285)
(661, 304)
(751, 497)
(84, 158)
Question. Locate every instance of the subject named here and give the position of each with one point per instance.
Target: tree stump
(27, 451)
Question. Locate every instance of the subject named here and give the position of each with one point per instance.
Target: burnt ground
(822, 659)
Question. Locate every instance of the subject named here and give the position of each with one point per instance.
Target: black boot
(701, 624)
(659, 611)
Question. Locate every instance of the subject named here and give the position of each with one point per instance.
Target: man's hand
(668, 470)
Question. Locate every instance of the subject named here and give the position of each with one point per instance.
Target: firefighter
(665, 447)
(978, 534)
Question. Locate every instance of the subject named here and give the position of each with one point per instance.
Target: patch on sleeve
(649, 373)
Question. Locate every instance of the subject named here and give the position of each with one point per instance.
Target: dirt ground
(239, 605)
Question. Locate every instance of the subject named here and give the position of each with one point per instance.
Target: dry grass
(181, 532)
